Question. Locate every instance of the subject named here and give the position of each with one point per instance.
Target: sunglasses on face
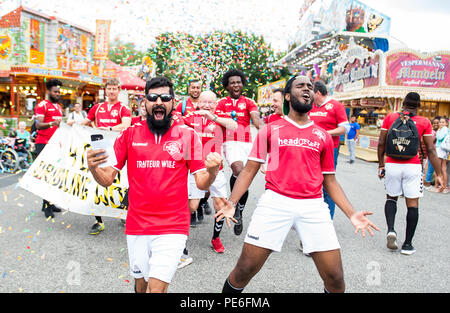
(153, 97)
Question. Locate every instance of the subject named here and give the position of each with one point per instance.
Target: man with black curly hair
(237, 143)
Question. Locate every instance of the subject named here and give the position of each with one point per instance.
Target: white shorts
(276, 214)
(441, 153)
(218, 188)
(403, 179)
(235, 151)
(193, 191)
(155, 256)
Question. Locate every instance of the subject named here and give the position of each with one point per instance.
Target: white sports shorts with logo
(236, 151)
(276, 214)
(155, 256)
(193, 191)
(403, 179)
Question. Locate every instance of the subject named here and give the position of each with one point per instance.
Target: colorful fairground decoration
(357, 68)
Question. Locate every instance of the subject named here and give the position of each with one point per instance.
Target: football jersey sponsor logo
(320, 114)
(172, 147)
(298, 142)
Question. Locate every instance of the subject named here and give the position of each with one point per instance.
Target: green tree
(183, 57)
(125, 54)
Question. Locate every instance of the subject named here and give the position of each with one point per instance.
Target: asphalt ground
(59, 256)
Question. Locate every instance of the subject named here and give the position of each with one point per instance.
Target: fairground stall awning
(128, 80)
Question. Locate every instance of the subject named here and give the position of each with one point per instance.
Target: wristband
(110, 128)
(232, 203)
(215, 118)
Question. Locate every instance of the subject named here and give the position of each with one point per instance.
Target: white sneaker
(185, 261)
(392, 241)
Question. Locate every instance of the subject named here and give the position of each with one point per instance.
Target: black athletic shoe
(193, 220)
(200, 216)
(407, 249)
(238, 227)
(48, 211)
(207, 209)
(56, 209)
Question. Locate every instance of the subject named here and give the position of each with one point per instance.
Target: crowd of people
(297, 149)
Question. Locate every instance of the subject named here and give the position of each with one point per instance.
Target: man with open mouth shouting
(159, 154)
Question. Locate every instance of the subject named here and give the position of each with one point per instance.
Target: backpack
(403, 140)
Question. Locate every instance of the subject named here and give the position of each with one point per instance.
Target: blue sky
(421, 25)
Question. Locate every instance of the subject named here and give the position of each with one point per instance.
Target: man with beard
(159, 154)
(48, 117)
(111, 115)
(237, 143)
(300, 162)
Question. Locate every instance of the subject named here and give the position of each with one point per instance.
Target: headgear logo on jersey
(173, 148)
(319, 134)
(329, 106)
(114, 113)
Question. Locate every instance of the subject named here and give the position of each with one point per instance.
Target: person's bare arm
(40, 125)
(381, 150)
(254, 116)
(358, 219)
(126, 122)
(338, 131)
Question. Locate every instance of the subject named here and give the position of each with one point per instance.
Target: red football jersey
(424, 128)
(105, 115)
(240, 109)
(329, 116)
(51, 112)
(298, 157)
(157, 168)
(211, 133)
(190, 107)
(273, 117)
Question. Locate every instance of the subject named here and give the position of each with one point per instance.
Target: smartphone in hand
(98, 142)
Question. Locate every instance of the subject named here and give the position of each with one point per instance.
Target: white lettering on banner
(60, 175)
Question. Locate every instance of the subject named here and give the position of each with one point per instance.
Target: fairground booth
(348, 45)
(35, 47)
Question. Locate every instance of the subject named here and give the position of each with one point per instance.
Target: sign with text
(60, 175)
(101, 49)
(412, 69)
(265, 92)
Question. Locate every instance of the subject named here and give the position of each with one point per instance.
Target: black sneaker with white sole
(408, 249)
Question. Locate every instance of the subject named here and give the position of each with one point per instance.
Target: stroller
(14, 155)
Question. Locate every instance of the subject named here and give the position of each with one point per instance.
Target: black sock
(185, 251)
(232, 181)
(243, 200)
(203, 201)
(228, 288)
(217, 228)
(99, 219)
(390, 209)
(411, 223)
